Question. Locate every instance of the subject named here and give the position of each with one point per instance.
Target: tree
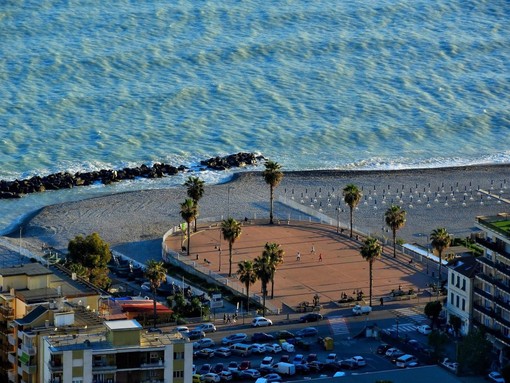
(248, 277)
(188, 213)
(275, 254)
(231, 230)
(352, 196)
(395, 218)
(432, 311)
(456, 323)
(438, 341)
(195, 191)
(370, 251)
(156, 274)
(262, 265)
(89, 258)
(273, 176)
(474, 353)
(440, 241)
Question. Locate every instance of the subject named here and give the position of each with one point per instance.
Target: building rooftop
(29, 269)
(467, 266)
(499, 223)
(128, 324)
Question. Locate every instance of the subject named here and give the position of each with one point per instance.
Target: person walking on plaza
(313, 249)
(298, 256)
(320, 257)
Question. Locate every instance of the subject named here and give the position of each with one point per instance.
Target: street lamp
(338, 219)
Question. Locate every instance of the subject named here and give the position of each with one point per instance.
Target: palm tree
(262, 266)
(188, 213)
(246, 273)
(195, 191)
(370, 251)
(275, 254)
(396, 219)
(352, 196)
(156, 274)
(273, 176)
(231, 230)
(440, 241)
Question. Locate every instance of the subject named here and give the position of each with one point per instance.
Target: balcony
(29, 350)
(104, 367)
(11, 358)
(29, 369)
(55, 365)
(7, 312)
(11, 339)
(493, 246)
(158, 364)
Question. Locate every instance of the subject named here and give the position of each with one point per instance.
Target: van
(284, 368)
(405, 360)
(241, 349)
(359, 310)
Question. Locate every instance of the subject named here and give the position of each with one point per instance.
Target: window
(464, 284)
(451, 298)
(463, 304)
(457, 301)
(453, 279)
(178, 355)
(178, 374)
(458, 281)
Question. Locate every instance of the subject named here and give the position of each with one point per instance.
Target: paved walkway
(341, 270)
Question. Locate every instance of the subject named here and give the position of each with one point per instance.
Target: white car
(273, 348)
(203, 343)
(360, 361)
(257, 348)
(261, 322)
(288, 347)
(267, 361)
(424, 329)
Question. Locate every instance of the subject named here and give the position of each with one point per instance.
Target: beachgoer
(320, 257)
(313, 250)
(382, 301)
(298, 256)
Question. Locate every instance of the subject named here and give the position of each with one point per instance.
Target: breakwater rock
(66, 180)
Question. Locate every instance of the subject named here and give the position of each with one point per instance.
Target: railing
(490, 226)
(492, 246)
(55, 366)
(29, 350)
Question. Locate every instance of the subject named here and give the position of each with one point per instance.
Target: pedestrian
(382, 301)
(298, 256)
(320, 257)
(313, 249)
(235, 317)
(224, 318)
(228, 318)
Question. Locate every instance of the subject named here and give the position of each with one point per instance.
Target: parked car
(288, 347)
(182, 329)
(203, 343)
(233, 366)
(234, 338)
(267, 361)
(284, 334)
(197, 378)
(223, 351)
(218, 367)
(211, 377)
(331, 358)
(204, 369)
(424, 329)
(204, 353)
(206, 327)
(272, 378)
(261, 322)
(195, 334)
(495, 376)
(226, 375)
(257, 348)
(298, 359)
(244, 365)
(349, 364)
(250, 373)
(392, 351)
(261, 337)
(360, 361)
(311, 358)
(311, 317)
(332, 366)
(301, 344)
(307, 331)
(273, 348)
(302, 368)
(264, 370)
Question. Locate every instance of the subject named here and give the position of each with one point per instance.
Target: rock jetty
(66, 180)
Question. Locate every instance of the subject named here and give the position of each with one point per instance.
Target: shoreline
(145, 215)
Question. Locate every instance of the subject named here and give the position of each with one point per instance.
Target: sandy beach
(134, 223)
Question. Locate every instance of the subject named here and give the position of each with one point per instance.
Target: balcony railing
(55, 366)
(158, 364)
(493, 246)
(100, 366)
(7, 312)
(29, 350)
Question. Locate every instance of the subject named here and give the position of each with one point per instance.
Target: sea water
(323, 84)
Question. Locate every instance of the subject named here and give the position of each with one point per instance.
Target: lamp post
(337, 219)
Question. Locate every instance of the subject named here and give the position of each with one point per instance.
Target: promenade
(341, 270)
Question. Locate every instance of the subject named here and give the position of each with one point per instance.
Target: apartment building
(491, 292)
(123, 353)
(461, 274)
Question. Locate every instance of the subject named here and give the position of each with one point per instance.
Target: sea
(324, 84)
